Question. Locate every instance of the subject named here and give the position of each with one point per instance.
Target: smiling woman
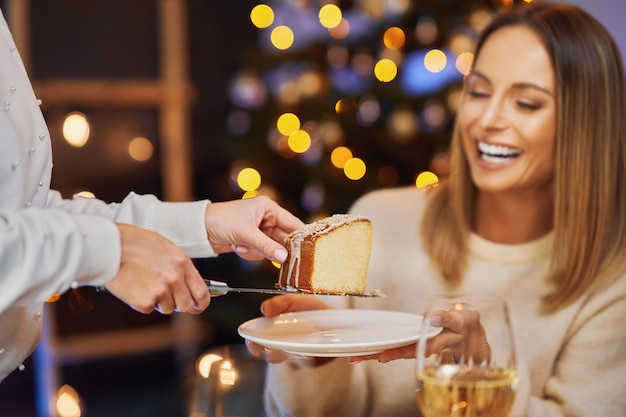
(507, 123)
(534, 212)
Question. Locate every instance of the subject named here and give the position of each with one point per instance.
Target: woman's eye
(528, 106)
(477, 94)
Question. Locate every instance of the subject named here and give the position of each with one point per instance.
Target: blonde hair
(590, 171)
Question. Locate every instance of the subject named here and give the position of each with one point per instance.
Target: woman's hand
(462, 334)
(252, 228)
(280, 304)
(155, 274)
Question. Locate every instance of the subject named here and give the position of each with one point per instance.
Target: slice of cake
(330, 256)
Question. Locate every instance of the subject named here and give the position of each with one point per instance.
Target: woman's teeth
(497, 153)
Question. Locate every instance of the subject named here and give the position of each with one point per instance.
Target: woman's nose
(493, 115)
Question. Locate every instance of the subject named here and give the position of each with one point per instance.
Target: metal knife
(218, 288)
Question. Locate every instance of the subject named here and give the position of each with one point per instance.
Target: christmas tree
(340, 98)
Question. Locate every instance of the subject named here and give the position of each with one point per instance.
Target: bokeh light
(204, 364)
(341, 31)
(363, 63)
(262, 16)
(435, 60)
(330, 16)
(402, 124)
(282, 37)
(247, 91)
(464, 63)
(140, 149)
(53, 298)
(479, 19)
(76, 129)
(354, 168)
(385, 70)
(339, 156)
(288, 123)
(331, 133)
(461, 42)
(368, 111)
(86, 194)
(343, 105)
(337, 56)
(249, 179)
(394, 38)
(68, 402)
(249, 194)
(426, 179)
(426, 30)
(503, 4)
(310, 84)
(238, 123)
(299, 141)
(434, 116)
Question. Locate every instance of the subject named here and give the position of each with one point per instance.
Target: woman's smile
(495, 154)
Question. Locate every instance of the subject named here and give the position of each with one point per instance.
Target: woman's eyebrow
(518, 85)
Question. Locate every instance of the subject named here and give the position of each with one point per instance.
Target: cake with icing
(330, 256)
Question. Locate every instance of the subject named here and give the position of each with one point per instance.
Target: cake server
(219, 288)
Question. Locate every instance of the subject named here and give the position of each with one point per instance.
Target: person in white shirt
(139, 249)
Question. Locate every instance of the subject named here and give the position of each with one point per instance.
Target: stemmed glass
(467, 370)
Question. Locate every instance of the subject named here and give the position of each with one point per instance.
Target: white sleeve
(44, 251)
(182, 223)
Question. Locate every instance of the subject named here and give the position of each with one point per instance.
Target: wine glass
(467, 370)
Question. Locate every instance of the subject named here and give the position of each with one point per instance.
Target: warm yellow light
(76, 129)
(299, 141)
(53, 298)
(249, 194)
(203, 367)
(330, 16)
(249, 179)
(504, 4)
(435, 60)
(288, 123)
(140, 149)
(282, 37)
(339, 156)
(354, 168)
(86, 194)
(426, 179)
(228, 374)
(68, 402)
(394, 38)
(262, 16)
(464, 62)
(343, 105)
(385, 70)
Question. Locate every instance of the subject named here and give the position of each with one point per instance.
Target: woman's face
(507, 118)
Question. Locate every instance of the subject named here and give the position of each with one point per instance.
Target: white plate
(334, 333)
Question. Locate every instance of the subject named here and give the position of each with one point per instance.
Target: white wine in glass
(467, 370)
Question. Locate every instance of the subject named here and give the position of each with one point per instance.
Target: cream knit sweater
(571, 363)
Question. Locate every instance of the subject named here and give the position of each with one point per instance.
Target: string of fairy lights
(408, 56)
